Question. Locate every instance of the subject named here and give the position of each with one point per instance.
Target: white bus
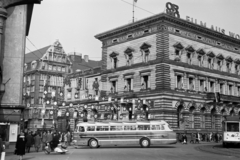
(231, 132)
(96, 134)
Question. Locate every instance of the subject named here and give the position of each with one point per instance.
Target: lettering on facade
(214, 28)
(204, 39)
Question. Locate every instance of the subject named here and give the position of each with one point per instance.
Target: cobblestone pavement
(220, 150)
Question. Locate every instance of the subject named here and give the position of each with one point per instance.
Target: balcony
(223, 98)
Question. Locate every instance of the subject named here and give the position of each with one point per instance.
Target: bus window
(105, 128)
(113, 128)
(155, 127)
(232, 127)
(81, 129)
(91, 128)
(119, 128)
(143, 127)
(99, 128)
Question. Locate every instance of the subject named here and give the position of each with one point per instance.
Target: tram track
(218, 149)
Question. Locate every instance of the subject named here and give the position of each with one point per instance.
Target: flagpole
(133, 12)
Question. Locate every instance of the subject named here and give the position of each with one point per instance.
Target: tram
(231, 132)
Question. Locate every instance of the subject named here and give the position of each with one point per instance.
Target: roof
(83, 65)
(35, 55)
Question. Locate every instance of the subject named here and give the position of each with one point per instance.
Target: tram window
(143, 127)
(81, 129)
(91, 128)
(232, 127)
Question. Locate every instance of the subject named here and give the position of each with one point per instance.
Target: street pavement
(203, 151)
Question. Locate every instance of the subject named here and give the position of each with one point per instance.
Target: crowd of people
(198, 137)
(38, 140)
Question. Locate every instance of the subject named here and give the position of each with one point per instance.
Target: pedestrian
(69, 138)
(55, 141)
(184, 138)
(44, 140)
(49, 137)
(197, 137)
(216, 137)
(28, 142)
(37, 142)
(1, 146)
(65, 139)
(20, 145)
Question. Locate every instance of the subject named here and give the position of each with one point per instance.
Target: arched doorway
(191, 116)
(179, 115)
(213, 112)
(202, 117)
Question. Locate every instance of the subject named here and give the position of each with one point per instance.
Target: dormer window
(114, 60)
(178, 51)
(145, 52)
(129, 56)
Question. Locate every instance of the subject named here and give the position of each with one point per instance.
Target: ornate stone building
(15, 19)
(44, 72)
(190, 73)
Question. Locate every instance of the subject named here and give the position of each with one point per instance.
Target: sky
(75, 22)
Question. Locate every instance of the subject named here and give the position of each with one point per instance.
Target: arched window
(179, 115)
(213, 112)
(191, 116)
(232, 113)
(202, 117)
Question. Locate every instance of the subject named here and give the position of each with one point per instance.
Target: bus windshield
(232, 127)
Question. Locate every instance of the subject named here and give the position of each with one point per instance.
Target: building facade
(44, 73)
(174, 70)
(15, 18)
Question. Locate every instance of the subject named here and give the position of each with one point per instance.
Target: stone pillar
(14, 51)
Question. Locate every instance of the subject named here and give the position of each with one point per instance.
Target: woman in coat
(28, 142)
(20, 145)
(37, 142)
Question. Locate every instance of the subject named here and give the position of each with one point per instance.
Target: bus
(143, 133)
(231, 132)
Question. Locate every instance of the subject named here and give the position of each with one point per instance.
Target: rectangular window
(41, 88)
(210, 64)
(230, 89)
(32, 100)
(189, 58)
(49, 67)
(33, 89)
(113, 86)
(219, 65)
(143, 127)
(191, 83)
(201, 85)
(212, 86)
(221, 85)
(59, 69)
(63, 69)
(179, 82)
(128, 84)
(228, 65)
(54, 68)
(145, 82)
(232, 127)
(114, 62)
(130, 127)
(236, 69)
(199, 61)
(102, 128)
(90, 128)
(145, 53)
(155, 127)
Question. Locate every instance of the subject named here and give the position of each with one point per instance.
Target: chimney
(86, 58)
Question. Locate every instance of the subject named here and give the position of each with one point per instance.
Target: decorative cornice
(190, 48)
(210, 54)
(201, 51)
(178, 45)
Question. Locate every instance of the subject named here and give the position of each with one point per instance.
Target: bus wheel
(93, 143)
(145, 142)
